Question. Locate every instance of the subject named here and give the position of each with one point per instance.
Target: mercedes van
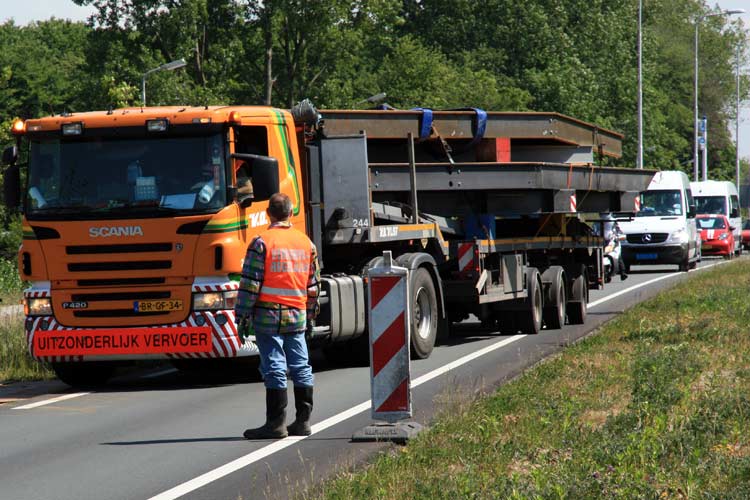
(720, 198)
(663, 229)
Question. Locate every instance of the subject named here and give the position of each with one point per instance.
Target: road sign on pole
(389, 329)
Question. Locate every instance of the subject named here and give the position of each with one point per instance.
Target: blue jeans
(279, 352)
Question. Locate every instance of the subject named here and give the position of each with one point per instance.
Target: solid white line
(250, 458)
(50, 401)
(646, 283)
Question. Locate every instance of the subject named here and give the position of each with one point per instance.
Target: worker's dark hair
(279, 206)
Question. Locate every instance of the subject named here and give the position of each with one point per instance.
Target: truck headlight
(724, 236)
(214, 301)
(37, 306)
(679, 236)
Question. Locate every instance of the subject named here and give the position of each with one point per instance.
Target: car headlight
(679, 236)
(37, 306)
(724, 236)
(213, 301)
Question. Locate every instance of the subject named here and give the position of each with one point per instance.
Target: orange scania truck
(136, 221)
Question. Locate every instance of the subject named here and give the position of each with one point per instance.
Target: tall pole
(695, 105)
(639, 160)
(698, 21)
(737, 121)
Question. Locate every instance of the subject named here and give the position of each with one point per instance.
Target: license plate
(646, 256)
(142, 306)
(707, 247)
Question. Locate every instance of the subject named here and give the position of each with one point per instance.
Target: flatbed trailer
(502, 240)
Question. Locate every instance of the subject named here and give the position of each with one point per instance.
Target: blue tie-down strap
(480, 126)
(425, 127)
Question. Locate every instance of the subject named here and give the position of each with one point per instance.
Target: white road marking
(50, 401)
(250, 458)
(646, 283)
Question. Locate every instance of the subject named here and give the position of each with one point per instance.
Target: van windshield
(711, 205)
(656, 203)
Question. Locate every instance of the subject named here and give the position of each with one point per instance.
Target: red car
(716, 235)
(746, 234)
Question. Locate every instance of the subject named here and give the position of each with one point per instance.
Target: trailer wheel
(579, 297)
(84, 374)
(556, 298)
(529, 319)
(424, 314)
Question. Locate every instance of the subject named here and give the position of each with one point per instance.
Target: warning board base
(399, 432)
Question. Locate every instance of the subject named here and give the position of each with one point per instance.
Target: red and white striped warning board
(637, 204)
(465, 257)
(573, 202)
(389, 342)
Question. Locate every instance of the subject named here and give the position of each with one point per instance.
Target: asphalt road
(162, 434)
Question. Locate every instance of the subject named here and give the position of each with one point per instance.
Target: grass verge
(656, 405)
(15, 362)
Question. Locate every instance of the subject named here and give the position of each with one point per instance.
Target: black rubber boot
(303, 403)
(276, 401)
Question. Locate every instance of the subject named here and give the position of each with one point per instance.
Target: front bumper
(205, 334)
(716, 247)
(655, 254)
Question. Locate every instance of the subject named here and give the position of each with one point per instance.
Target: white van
(720, 197)
(663, 230)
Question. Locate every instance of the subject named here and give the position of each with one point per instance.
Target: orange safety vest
(287, 267)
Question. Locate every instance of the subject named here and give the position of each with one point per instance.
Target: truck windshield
(710, 205)
(660, 203)
(144, 177)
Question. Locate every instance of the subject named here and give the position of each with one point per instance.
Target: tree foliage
(576, 57)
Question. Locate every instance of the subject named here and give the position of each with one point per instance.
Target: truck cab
(135, 230)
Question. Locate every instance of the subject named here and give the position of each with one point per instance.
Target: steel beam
(451, 125)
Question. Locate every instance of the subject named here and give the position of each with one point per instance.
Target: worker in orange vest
(278, 295)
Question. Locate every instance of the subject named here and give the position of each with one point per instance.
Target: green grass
(656, 405)
(15, 362)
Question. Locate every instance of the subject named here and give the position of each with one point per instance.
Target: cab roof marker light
(157, 125)
(18, 127)
(235, 117)
(75, 128)
(33, 128)
(202, 120)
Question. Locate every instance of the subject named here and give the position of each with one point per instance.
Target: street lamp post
(170, 66)
(639, 158)
(737, 120)
(698, 22)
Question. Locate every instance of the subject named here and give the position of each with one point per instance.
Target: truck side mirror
(265, 175)
(10, 155)
(12, 186)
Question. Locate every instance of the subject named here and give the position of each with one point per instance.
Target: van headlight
(679, 236)
(724, 236)
(213, 301)
(38, 306)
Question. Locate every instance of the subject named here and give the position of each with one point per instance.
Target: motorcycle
(611, 257)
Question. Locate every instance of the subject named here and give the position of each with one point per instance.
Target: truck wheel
(530, 317)
(424, 314)
(84, 374)
(579, 295)
(555, 299)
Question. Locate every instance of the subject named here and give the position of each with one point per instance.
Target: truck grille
(107, 249)
(647, 238)
(137, 265)
(121, 282)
